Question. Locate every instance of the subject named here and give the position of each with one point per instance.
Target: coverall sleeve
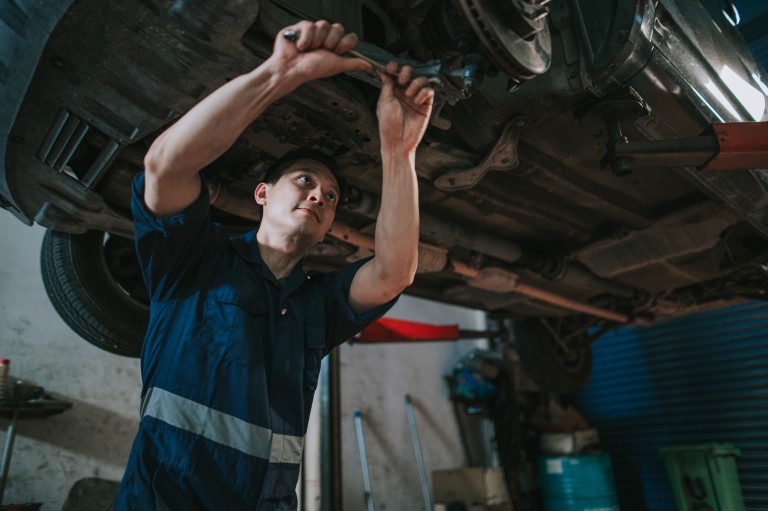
(343, 323)
(170, 249)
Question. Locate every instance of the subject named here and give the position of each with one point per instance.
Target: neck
(281, 254)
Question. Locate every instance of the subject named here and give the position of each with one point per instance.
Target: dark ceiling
(754, 27)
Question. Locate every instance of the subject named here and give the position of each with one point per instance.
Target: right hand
(404, 108)
(318, 52)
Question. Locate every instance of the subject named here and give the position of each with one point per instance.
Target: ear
(260, 194)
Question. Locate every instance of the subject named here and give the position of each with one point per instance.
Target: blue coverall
(230, 365)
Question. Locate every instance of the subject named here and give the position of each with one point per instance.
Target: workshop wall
(375, 379)
(94, 437)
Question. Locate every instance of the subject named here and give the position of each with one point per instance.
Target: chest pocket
(236, 323)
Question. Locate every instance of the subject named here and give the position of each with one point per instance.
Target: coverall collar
(248, 248)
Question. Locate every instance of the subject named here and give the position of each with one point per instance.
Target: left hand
(403, 109)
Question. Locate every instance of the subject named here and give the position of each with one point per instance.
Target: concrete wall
(93, 438)
(375, 378)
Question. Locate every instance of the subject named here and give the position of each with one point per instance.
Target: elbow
(401, 286)
(154, 160)
(408, 279)
(393, 275)
(399, 281)
(152, 164)
(408, 273)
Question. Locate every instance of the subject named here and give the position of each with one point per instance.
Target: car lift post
(724, 146)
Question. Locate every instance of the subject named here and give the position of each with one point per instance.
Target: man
(237, 328)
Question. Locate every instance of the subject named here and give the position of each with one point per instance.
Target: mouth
(311, 212)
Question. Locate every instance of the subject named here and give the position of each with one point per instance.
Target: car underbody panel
(525, 211)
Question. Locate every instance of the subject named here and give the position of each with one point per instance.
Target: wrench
(430, 70)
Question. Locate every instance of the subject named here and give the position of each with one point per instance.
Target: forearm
(176, 157)
(213, 125)
(397, 226)
(403, 115)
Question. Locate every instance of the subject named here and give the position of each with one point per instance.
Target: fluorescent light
(752, 99)
(722, 99)
(760, 84)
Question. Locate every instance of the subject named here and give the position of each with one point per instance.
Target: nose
(316, 196)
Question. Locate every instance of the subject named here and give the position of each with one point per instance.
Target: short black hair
(277, 169)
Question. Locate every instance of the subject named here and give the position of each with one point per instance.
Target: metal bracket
(623, 105)
(503, 156)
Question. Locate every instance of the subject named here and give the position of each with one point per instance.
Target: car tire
(545, 361)
(83, 280)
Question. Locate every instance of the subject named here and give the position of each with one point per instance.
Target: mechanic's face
(303, 200)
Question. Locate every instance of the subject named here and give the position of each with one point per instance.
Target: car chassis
(545, 195)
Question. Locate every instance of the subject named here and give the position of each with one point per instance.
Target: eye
(305, 179)
(331, 196)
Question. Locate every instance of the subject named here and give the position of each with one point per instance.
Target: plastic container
(704, 476)
(578, 483)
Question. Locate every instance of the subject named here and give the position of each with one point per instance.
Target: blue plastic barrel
(578, 483)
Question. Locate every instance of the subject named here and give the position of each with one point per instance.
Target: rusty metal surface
(743, 145)
(531, 225)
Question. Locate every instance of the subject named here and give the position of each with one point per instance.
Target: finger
(416, 85)
(387, 83)
(335, 33)
(346, 43)
(322, 28)
(392, 68)
(404, 76)
(306, 31)
(424, 96)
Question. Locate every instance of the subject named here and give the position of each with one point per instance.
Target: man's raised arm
(210, 128)
(404, 109)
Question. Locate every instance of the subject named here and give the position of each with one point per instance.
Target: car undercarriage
(527, 209)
